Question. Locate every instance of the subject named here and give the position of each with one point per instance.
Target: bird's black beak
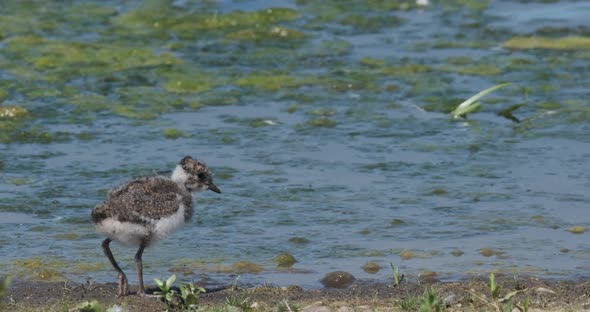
(214, 188)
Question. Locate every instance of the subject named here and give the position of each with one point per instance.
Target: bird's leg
(139, 267)
(123, 285)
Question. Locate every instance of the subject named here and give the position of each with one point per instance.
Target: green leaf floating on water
(471, 105)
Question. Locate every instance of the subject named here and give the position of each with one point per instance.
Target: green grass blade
(470, 104)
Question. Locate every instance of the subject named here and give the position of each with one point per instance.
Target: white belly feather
(132, 234)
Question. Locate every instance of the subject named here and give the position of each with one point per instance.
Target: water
(391, 153)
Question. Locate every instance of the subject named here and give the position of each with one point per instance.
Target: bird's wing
(145, 199)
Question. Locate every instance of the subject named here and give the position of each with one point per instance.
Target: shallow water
(335, 146)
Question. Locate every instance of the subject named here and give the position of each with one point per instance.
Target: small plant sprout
(286, 306)
(431, 302)
(526, 304)
(409, 303)
(471, 103)
(497, 302)
(397, 279)
(4, 286)
(166, 292)
(494, 288)
(189, 294)
(186, 300)
(241, 301)
(89, 306)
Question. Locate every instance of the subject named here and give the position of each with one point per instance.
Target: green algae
(364, 23)
(131, 112)
(49, 17)
(241, 267)
(439, 192)
(87, 13)
(428, 274)
(58, 61)
(371, 267)
(298, 240)
(47, 275)
(372, 63)
(39, 269)
(241, 19)
(40, 228)
(565, 43)
(178, 269)
(369, 5)
(397, 222)
(407, 254)
(285, 260)
(17, 133)
(539, 219)
(488, 252)
(268, 81)
(139, 102)
(12, 112)
(90, 267)
(478, 69)
(329, 48)
(148, 102)
(577, 229)
(292, 108)
(66, 59)
(272, 34)
(379, 166)
(91, 102)
(447, 44)
(366, 16)
(456, 5)
(67, 236)
(324, 112)
(344, 79)
(186, 79)
(321, 123)
(457, 253)
(225, 173)
(163, 21)
(173, 134)
(261, 122)
(18, 181)
(374, 253)
(405, 69)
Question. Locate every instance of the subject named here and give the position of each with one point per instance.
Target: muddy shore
(468, 295)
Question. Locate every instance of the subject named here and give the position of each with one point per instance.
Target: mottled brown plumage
(146, 209)
(143, 200)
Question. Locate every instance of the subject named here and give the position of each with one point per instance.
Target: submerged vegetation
(566, 43)
(149, 59)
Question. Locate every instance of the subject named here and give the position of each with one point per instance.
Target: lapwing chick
(147, 209)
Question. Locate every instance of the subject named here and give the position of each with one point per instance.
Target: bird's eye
(201, 176)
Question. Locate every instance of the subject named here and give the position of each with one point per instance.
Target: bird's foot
(123, 286)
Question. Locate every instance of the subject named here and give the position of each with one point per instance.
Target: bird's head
(194, 175)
